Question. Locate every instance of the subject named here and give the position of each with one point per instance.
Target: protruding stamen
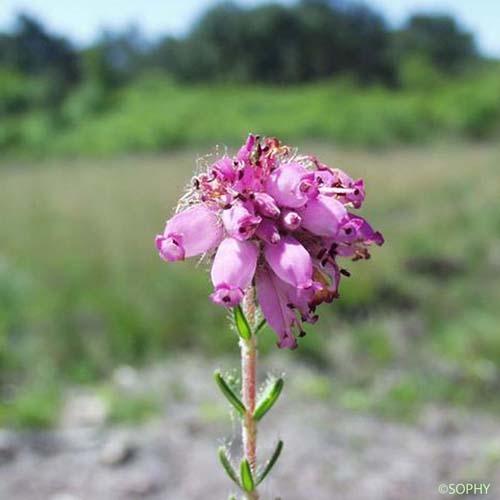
(337, 190)
(321, 253)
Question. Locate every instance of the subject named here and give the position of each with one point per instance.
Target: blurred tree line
(311, 40)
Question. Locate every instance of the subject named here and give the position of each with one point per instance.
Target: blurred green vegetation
(156, 114)
(130, 408)
(83, 291)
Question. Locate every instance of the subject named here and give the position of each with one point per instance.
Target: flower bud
(266, 205)
(291, 220)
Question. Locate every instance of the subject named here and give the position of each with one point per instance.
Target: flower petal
(323, 215)
(284, 185)
(246, 150)
(274, 308)
(357, 229)
(240, 222)
(232, 270)
(266, 205)
(268, 232)
(170, 249)
(290, 261)
(195, 231)
(224, 169)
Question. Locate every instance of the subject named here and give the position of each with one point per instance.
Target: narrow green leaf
(232, 497)
(226, 463)
(228, 392)
(242, 325)
(246, 476)
(260, 326)
(269, 397)
(271, 462)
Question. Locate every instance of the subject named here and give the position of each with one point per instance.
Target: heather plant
(275, 226)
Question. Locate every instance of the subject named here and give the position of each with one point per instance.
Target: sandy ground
(329, 453)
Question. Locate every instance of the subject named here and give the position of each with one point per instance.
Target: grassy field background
(83, 291)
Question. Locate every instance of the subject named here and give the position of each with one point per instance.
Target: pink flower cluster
(277, 221)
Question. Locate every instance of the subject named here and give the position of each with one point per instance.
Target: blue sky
(83, 19)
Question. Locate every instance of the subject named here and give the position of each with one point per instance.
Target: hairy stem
(249, 390)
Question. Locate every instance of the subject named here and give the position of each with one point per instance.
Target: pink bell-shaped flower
(232, 271)
(289, 185)
(290, 261)
(240, 222)
(322, 215)
(273, 304)
(191, 232)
